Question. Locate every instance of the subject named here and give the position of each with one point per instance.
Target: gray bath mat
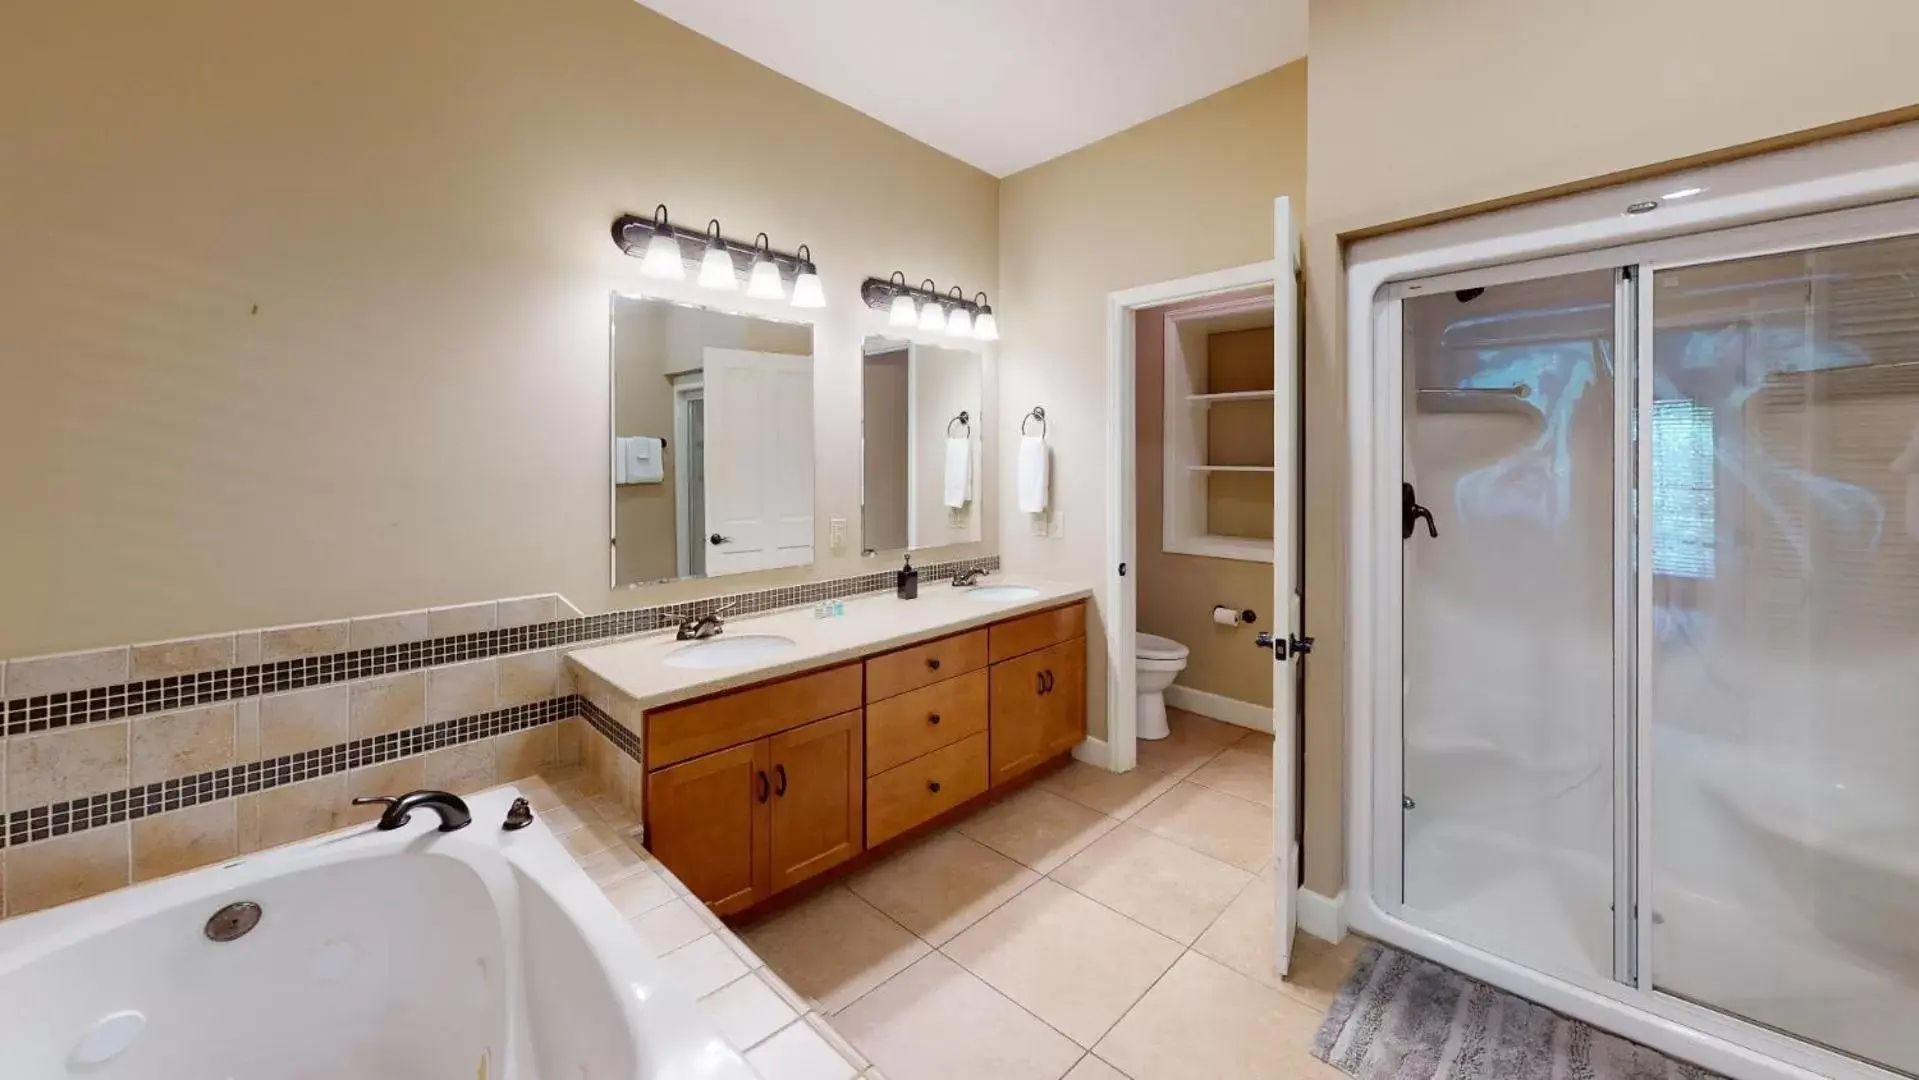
(1402, 1018)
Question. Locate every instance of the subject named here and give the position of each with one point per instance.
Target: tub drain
(233, 921)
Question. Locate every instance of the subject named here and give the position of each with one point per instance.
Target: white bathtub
(479, 954)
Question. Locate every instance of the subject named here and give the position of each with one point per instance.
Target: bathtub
(479, 954)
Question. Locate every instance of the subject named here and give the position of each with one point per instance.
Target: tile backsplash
(122, 764)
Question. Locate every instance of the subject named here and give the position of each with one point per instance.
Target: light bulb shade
(902, 313)
(932, 317)
(662, 259)
(960, 323)
(716, 270)
(985, 327)
(764, 282)
(807, 290)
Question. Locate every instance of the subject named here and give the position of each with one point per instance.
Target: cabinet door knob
(933, 718)
(933, 662)
(933, 786)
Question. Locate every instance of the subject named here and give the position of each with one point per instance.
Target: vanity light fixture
(985, 327)
(660, 246)
(716, 266)
(663, 250)
(959, 322)
(807, 290)
(901, 312)
(932, 315)
(763, 281)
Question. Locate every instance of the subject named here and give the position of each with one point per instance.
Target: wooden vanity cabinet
(1039, 708)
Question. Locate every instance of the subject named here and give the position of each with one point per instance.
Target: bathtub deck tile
(747, 1011)
(704, 966)
(670, 926)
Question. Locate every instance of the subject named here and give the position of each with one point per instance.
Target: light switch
(836, 534)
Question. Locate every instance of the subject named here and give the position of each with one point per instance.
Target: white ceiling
(1005, 84)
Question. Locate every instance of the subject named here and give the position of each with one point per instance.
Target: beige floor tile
(1092, 1068)
(703, 966)
(1194, 741)
(1241, 771)
(1191, 727)
(941, 885)
(1320, 968)
(1242, 936)
(1067, 960)
(799, 1053)
(834, 947)
(1212, 823)
(1037, 828)
(746, 1011)
(1119, 795)
(1172, 889)
(936, 1021)
(1204, 1019)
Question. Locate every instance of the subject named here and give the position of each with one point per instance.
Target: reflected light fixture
(763, 281)
(1683, 193)
(807, 290)
(900, 312)
(662, 258)
(985, 327)
(932, 316)
(959, 322)
(716, 266)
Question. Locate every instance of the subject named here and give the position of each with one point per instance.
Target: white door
(1286, 451)
(759, 461)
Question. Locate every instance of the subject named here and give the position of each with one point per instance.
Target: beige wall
(303, 308)
(1182, 194)
(1419, 109)
(1177, 592)
(945, 383)
(652, 343)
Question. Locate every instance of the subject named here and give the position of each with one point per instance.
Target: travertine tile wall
(125, 764)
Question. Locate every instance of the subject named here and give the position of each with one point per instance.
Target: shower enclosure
(1642, 709)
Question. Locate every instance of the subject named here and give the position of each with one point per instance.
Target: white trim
(1323, 916)
(1220, 707)
(1876, 167)
(1093, 752)
(687, 387)
(1122, 597)
(912, 447)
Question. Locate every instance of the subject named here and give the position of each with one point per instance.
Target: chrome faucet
(451, 808)
(969, 576)
(701, 627)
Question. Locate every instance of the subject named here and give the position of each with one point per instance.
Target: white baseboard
(1220, 707)
(1094, 752)
(1321, 917)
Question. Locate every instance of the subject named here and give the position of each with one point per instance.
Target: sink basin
(722, 652)
(1001, 594)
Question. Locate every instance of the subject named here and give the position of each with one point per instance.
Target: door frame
(687, 387)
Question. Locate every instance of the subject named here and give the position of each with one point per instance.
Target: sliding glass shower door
(1508, 564)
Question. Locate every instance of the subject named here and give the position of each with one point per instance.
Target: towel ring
(1038, 413)
(962, 420)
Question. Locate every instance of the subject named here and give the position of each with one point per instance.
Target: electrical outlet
(836, 534)
(956, 517)
(1038, 522)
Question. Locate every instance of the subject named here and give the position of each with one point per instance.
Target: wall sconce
(657, 242)
(924, 307)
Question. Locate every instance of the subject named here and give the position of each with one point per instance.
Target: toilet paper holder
(1228, 616)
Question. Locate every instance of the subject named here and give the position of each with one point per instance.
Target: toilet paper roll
(1225, 616)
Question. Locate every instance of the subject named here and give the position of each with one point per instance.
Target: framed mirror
(712, 442)
(922, 445)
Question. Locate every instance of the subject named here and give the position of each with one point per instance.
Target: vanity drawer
(911, 668)
(678, 732)
(1016, 637)
(918, 722)
(924, 788)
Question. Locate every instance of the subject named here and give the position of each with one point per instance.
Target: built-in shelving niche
(1219, 430)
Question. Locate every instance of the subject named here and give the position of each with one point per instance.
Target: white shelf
(1234, 395)
(1230, 468)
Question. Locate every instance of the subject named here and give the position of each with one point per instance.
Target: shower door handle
(1410, 512)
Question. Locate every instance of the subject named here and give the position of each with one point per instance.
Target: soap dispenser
(908, 581)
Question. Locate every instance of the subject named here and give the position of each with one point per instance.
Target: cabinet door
(709, 820)
(819, 805)
(1065, 697)
(1038, 708)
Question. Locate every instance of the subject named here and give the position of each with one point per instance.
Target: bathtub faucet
(451, 808)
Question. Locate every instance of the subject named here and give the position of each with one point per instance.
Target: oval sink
(1001, 594)
(730, 651)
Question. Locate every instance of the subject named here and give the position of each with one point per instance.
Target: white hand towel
(959, 472)
(1032, 474)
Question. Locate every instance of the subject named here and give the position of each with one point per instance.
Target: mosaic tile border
(144, 800)
(48, 712)
(616, 733)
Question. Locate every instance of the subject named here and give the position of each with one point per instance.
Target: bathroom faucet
(701, 627)
(969, 576)
(451, 808)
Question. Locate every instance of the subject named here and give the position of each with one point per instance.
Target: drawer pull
(766, 787)
(933, 786)
(933, 719)
(933, 662)
(1039, 682)
(781, 790)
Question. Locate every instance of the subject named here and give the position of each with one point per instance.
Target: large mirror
(921, 453)
(712, 442)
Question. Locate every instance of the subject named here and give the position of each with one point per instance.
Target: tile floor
(1095, 926)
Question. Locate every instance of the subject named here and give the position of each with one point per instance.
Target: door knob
(716, 539)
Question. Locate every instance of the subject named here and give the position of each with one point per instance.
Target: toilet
(1160, 661)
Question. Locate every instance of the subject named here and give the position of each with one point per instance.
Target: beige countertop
(638, 667)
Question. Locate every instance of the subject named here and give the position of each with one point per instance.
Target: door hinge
(1284, 648)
